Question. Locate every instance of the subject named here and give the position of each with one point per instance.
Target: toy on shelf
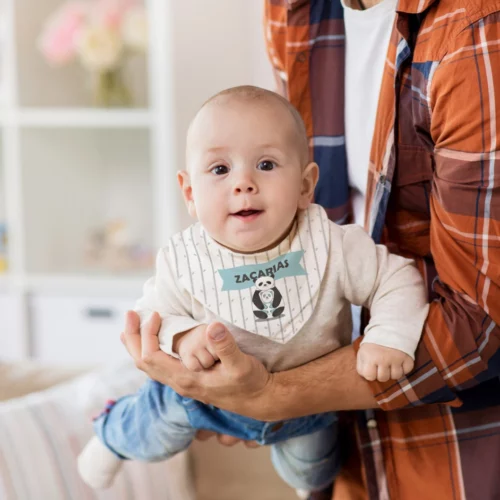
(111, 248)
(3, 247)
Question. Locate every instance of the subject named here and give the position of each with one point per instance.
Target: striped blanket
(42, 433)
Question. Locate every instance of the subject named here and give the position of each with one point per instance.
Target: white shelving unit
(79, 118)
(66, 168)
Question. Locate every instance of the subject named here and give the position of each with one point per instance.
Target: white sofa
(42, 432)
(45, 420)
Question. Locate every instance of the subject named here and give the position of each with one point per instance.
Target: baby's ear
(310, 177)
(184, 180)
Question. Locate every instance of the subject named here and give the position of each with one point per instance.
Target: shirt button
(371, 424)
(301, 57)
(277, 427)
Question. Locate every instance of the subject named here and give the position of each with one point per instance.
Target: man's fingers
(251, 444)
(224, 345)
(131, 336)
(149, 337)
(203, 435)
(226, 440)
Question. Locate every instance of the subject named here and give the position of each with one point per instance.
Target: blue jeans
(156, 423)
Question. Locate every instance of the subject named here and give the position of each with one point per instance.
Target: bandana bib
(271, 293)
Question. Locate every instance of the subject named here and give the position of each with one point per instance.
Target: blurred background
(96, 97)
(95, 100)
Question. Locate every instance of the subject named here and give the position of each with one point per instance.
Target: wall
(218, 44)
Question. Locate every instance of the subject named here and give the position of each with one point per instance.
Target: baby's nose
(245, 186)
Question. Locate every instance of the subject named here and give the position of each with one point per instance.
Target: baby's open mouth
(245, 213)
(248, 214)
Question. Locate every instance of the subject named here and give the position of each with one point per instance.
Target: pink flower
(109, 13)
(58, 40)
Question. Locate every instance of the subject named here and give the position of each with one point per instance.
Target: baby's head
(247, 171)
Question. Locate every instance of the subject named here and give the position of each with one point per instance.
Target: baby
(278, 273)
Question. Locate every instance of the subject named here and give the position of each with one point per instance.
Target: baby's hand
(194, 350)
(376, 362)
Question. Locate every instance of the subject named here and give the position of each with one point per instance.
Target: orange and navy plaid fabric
(433, 195)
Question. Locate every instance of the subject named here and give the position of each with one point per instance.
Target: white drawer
(78, 330)
(12, 343)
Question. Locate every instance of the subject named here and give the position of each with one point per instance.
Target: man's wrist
(330, 383)
(263, 407)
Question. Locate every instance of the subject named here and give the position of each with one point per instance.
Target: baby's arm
(392, 288)
(162, 294)
(194, 350)
(180, 334)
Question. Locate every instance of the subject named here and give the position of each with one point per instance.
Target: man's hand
(224, 439)
(239, 383)
(195, 351)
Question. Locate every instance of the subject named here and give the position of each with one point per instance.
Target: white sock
(97, 465)
(303, 494)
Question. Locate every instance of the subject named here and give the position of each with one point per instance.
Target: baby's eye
(220, 170)
(266, 165)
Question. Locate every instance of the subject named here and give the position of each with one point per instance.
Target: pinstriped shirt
(271, 293)
(290, 304)
(433, 194)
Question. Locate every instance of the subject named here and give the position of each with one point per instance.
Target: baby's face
(246, 173)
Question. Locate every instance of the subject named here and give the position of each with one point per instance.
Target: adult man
(433, 194)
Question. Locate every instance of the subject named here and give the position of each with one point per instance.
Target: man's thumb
(223, 344)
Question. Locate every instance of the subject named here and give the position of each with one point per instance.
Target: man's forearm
(330, 383)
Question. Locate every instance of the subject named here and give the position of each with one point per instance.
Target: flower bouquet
(101, 35)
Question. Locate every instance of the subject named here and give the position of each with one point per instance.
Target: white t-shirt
(367, 39)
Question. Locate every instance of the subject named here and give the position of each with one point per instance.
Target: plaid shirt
(434, 195)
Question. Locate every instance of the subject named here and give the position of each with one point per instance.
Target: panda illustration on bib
(267, 298)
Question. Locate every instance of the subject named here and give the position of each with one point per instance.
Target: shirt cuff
(384, 338)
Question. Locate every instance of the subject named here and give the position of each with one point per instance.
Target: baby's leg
(308, 462)
(149, 426)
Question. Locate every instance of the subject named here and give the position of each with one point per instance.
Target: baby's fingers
(396, 371)
(408, 364)
(191, 363)
(383, 372)
(367, 370)
(205, 358)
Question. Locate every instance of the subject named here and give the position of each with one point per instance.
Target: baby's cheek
(210, 217)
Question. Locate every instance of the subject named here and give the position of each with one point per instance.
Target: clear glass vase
(111, 91)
